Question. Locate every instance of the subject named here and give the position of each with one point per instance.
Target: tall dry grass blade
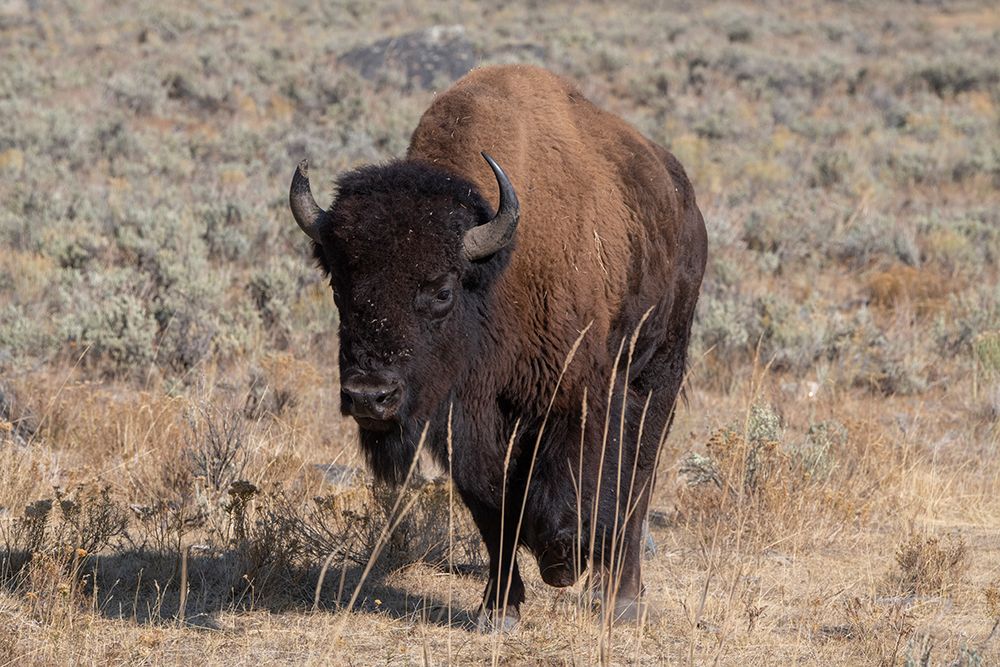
(52, 401)
(182, 605)
(495, 648)
(527, 484)
(503, 504)
(451, 524)
(541, 431)
(322, 576)
(695, 622)
(600, 479)
(395, 518)
(617, 550)
(578, 486)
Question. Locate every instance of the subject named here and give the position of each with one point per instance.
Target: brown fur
(606, 214)
(609, 230)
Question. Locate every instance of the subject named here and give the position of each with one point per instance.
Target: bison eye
(437, 298)
(440, 304)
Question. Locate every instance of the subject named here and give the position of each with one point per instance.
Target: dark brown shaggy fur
(609, 230)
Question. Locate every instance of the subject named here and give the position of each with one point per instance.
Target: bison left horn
(305, 209)
(484, 240)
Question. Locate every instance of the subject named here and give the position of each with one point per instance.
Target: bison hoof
(556, 564)
(559, 575)
(635, 612)
(627, 610)
(496, 621)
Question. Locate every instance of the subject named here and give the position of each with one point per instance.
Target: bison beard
(573, 295)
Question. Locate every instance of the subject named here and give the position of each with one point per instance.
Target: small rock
(659, 518)
(649, 544)
(338, 474)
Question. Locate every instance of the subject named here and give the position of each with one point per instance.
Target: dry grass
(925, 291)
(178, 486)
(834, 543)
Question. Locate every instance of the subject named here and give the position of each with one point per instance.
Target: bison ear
(304, 208)
(486, 239)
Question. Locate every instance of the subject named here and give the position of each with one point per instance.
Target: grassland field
(176, 483)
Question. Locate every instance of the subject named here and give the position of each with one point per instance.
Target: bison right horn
(484, 240)
(305, 209)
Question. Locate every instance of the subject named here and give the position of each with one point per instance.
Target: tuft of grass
(986, 352)
(928, 565)
(881, 631)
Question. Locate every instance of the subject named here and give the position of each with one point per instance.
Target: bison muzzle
(530, 321)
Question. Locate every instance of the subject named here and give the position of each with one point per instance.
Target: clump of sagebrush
(783, 337)
(224, 231)
(722, 336)
(739, 471)
(139, 91)
(272, 289)
(951, 76)
(175, 498)
(763, 433)
(86, 517)
(422, 534)
(27, 534)
(421, 521)
(90, 518)
(986, 352)
(159, 527)
(735, 327)
(752, 479)
(55, 586)
(66, 528)
(829, 168)
(115, 328)
(739, 459)
(817, 455)
(20, 334)
(143, 293)
(928, 565)
(874, 238)
(889, 360)
(217, 446)
(965, 242)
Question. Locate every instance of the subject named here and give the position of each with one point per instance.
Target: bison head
(412, 253)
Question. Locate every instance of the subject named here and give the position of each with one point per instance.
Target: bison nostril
(372, 398)
(386, 402)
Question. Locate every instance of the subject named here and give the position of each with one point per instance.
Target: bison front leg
(615, 579)
(624, 485)
(626, 582)
(501, 608)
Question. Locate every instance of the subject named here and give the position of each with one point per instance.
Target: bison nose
(372, 397)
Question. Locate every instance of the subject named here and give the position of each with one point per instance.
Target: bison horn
(484, 240)
(305, 209)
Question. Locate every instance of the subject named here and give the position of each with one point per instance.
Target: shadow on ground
(145, 587)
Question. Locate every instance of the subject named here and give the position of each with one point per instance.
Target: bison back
(608, 220)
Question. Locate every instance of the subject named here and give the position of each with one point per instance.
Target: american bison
(545, 328)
